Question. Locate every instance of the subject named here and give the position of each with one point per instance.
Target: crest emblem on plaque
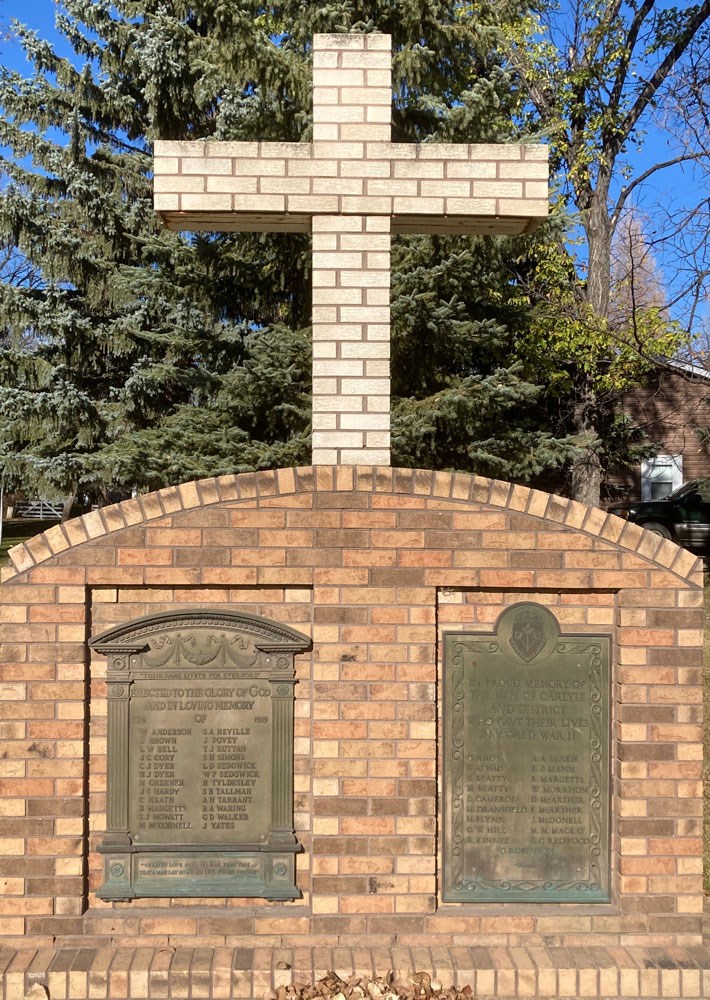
(527, 636)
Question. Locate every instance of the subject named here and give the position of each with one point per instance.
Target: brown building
(671, 408)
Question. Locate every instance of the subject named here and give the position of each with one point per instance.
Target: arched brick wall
(373, 563)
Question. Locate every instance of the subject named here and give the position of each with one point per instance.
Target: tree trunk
(586, 472)
(67, 509)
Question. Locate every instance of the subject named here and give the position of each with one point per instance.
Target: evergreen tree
(134, 357)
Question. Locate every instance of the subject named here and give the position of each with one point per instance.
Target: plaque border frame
(456, 888)
(124, 646)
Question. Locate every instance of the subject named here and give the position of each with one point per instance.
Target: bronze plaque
(200, 756)
(526, 763)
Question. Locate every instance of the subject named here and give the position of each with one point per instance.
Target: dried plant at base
(418, 987)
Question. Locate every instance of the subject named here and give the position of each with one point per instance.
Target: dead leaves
(421, 986)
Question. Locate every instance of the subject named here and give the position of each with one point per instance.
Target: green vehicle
(683, 515)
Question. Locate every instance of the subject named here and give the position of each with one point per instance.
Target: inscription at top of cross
(351, 187)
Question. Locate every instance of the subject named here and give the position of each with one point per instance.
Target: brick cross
(352, 187)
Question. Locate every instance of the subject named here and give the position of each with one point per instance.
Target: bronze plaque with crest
(526, 763)
(200, 756)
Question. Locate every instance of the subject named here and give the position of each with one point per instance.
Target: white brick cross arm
(352, 187)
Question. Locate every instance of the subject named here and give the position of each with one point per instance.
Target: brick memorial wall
(374, 565)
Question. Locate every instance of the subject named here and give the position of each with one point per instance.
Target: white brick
(325, 349)
(391, 187)
(178, 183)
(325, 95)
(379, 77)
(365, 279)
(382, 115)
(365, 241)
(472, 168)
(338, 113)
(366, 456)
(325, 386)
(236, 185)
(365, 314)
(338, 150)
(337, 185)
(366, 95)
(536, 151)
(206, 202)
(258, 168)
(419, 206)
(325, 60)
(366, 60)
(324, 279)
(346, 78)
(377, 224)
(325, 456)
(337, 296)
(166, 202)
(324, 314)
(375, 367)
(259, 203)
(336, 260)
(442, 151)
(312, 168)
(365, 421)
(377, 296)
(365, 168)
(336, 224)
(536, 170)
(378, 439)
(214, 147)
(337, 439)
(326, 132)
(392, 151)
(365, 350)
(366, 386)
(285, 150)
(338, 367)
(337, 331)
(313, 203)
(338, 404)
(379, 42)
(497, 189)
(416, 168)
(377, 332)
(378, 261)
(213, 165)
(284, 185)
(366, 206)
(470, 206)
(537, 189)
(445, 189)
(324, 421)
(165, 165)
(526, 207)
(495, 152)
(368, 131)
(180, 147)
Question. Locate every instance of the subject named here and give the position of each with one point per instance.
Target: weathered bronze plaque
(526, 763)
(200, 756)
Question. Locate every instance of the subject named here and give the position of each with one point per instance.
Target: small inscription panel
(200, 756)
(526, 768)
